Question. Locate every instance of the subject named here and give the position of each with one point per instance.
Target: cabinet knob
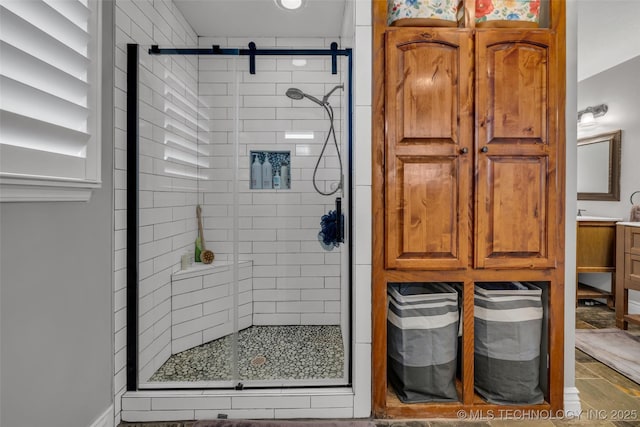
(484, 149)
(465, 150)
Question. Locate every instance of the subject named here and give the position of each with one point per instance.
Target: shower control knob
(465, 150)
(484, 149)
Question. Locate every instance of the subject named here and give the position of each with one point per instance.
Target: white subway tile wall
(278, 228)
(168, 123)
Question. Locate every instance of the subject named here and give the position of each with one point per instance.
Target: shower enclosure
(260, 141)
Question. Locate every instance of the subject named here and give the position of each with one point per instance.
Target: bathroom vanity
(628, 265)
(596, 253)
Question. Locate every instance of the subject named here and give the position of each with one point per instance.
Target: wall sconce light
(587, 117)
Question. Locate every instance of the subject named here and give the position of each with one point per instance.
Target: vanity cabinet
(596, 253)
(628, 266)
(468, 182)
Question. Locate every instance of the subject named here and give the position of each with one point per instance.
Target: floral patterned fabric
(507, 10)
(433, 9)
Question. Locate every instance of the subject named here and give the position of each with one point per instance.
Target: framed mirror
(599, 167)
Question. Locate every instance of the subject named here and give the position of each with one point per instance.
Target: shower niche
(269, 170)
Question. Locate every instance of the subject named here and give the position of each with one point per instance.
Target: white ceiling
(263, 18)
(608, 34)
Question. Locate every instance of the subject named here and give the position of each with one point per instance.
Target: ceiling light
(289, 4)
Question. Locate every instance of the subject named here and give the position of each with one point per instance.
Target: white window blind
(49, 99)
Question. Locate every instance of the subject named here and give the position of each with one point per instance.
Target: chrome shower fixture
(325, 99)
(297, 94)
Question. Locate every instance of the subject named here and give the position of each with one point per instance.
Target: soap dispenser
(267, 173)
(256, 173)
(284, 176)
(276, 180)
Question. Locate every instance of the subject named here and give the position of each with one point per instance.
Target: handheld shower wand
(297, 94)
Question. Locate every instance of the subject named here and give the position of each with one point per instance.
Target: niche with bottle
(270, 170)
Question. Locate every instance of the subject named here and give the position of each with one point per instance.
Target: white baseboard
(104, 420)
(572, 407)
(634, 307)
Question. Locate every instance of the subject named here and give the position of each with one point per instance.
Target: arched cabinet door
(515, 147)
(428, 148)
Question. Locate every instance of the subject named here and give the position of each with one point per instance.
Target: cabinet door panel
(512, 231)
(517, 106)
(427, 149)
(423, 229)
(632, 243)
(516, 161)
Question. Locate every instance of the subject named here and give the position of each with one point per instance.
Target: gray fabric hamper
(422, 339)
(508, 329)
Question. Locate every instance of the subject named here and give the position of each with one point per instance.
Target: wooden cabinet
(516, 183)
(596, 253)
(628, 266)
(428, 161)
(430, 152)
(468, 180)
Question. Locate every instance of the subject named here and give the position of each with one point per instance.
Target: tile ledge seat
(199, 269)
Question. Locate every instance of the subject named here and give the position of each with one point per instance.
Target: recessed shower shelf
(270, 170)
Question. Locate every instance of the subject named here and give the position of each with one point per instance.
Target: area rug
(615, 348)
(278, 423)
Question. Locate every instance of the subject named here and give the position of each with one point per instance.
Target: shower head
(297, 94)
(325, 99)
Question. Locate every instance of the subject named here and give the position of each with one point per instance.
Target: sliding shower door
(253, 170)
(293, 173)
(187, 310)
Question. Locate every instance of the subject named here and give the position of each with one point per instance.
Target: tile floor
(603, 392)
(264, 353)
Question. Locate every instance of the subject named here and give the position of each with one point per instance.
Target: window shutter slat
(50, 21)
(31, 102)
(21, 66)
(74, 11)
(30, 39)
(27, 132)
(24, 162)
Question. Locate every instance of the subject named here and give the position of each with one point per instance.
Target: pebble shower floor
(264, 353)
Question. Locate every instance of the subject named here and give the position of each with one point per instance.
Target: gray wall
(55, 298)
(618, 88)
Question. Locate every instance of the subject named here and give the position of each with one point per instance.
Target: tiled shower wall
(295, 280)
(167, 180)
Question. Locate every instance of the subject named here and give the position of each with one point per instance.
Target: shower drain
(258, 360)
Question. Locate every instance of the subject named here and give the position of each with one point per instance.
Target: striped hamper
(422, 339)
(508, 328)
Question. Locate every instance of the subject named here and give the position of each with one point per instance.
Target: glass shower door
(187, 309)
(292, 175)
(259, 163)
